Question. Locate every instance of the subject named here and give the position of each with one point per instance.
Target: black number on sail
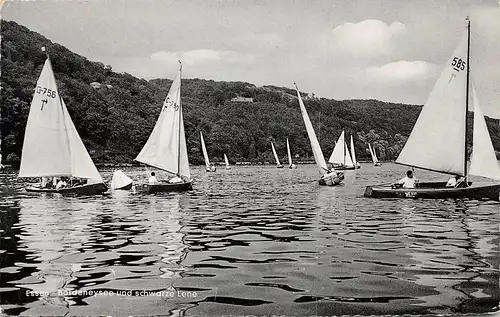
(170, 103)
(458, 64)
(44, 91)
(44, 101)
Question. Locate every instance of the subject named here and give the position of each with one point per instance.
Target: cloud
(203, 56)
(402, 72)
(367, 37)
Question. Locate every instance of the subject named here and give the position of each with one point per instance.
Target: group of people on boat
(409, 181)
(61, 182)
(152, 180)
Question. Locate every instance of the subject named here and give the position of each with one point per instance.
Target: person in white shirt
(61, 184)
(152, 179)
(454, 181)
(407, 182)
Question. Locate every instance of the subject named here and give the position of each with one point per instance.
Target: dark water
(252, 240)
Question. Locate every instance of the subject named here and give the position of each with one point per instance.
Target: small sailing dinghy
(52, 147)
(327, 179)
(226, 161)
(374, 155)
(121, 181)
(290, 163)
(340, 158)
(354, 161)
(208, 167)
(166, 147)
(278, 164)
(442, 149)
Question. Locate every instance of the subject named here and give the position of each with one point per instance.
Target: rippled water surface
(251, 240)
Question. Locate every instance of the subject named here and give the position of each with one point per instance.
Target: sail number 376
(44, 91)
(458, 63)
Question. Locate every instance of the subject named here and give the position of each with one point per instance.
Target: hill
(115, 114)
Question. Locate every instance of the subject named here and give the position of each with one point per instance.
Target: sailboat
(120, 181)
(340, 158)
(166, 147)
(208, 167)
(290, 163)
(278, 164)
(52, 147)
(228, 167)
(374, 155)
(444, 150)
(326, 179)
(354, 161)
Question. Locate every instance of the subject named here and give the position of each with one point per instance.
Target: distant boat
(290, 163)
(374, 155)
(354, 161)
(208, 167)
(120, 180)
(166, 147)
(318, 154)
(438, 141)
(228, 167)
(340, 158)
(278, 164)
(52, 147)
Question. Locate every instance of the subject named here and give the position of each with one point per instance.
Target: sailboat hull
(126, 187)
(436, 190)
(162, 187)
(87, 189)
(333, 181)
(344, 168)
(280, 166)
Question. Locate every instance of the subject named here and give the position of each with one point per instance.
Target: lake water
(252, 240)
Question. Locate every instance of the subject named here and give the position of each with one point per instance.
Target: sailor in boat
(406, 182)
(456, 181)
(152, 179)
(61, 183)
(331, 177)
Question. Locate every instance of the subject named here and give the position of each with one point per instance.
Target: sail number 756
(458, 63)
(44, 91)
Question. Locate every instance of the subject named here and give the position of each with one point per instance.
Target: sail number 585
(44, 91)
(458, 63)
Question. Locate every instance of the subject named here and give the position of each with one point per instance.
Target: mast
(180, 118)
(467, 99)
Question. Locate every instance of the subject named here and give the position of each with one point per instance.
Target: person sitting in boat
(456, 181)
(61, 184)
(407, 182)
(152, 179)
(175, 179)
(331, 176)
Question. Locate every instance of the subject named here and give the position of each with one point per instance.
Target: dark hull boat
(333, 182)
(280, 166)
(163, 187)
(344, 168)
(87, 189)
(435, 190)
(126, 187)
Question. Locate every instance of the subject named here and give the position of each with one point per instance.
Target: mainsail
(226, 161)
(289, 153)
(354, 161)
(166, 147)
(483, 161)
(340, 154)
(204, 150)
(275, 155)
(318, 154)
(372, 153)
(441, 124)
(52, 146)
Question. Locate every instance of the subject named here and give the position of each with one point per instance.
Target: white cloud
(401, 72)
(203, 56)
(366, 37)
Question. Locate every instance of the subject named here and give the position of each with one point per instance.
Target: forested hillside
(115, 114)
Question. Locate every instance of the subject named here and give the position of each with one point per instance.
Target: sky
(390, 50)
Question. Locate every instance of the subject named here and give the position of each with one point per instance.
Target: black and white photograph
(234, 158)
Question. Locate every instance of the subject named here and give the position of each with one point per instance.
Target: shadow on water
(256, 240)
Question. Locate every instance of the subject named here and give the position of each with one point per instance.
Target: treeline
(115, 115)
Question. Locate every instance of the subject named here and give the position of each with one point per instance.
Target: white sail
(166, 147)
(275, 154)
(375, 158)
(438, 137)
(340, 154)
(289, 153)
(204, 149)
(354, 161)
(120, 180)
(318, 154)
(226, 161)
(52, 146)
(483, 161)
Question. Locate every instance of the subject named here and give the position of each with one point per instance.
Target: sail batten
(444, 145)
(166, 147)
(318, 154)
